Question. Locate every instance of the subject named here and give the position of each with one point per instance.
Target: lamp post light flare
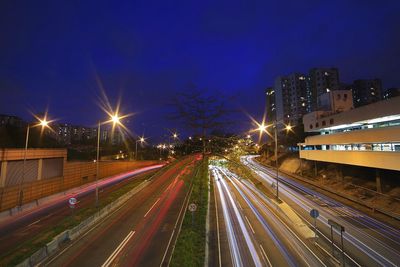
(115, 119)
(44, 123)
(141, 140)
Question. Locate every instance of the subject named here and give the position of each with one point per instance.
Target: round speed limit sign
(192, 207)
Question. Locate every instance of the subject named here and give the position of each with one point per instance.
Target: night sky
(147, 51)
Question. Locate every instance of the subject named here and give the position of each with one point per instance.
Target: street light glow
(115, 119)
(262, 127)
(288, 127)
(43, 123)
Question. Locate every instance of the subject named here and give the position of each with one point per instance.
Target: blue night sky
(146, 51)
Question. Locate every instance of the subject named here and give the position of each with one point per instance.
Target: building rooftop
(380, 112)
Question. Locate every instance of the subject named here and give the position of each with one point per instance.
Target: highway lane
(367, 241)
(241, 247)
(278, 244)
(24, 226)
(137, 234)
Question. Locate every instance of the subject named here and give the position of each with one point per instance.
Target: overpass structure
(368, 136)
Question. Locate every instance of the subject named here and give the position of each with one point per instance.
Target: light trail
(233, 244)
(243, 228)
(289, 235)
(335, 210)
(307, 205)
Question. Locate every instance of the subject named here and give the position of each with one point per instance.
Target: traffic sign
(72, 202)
(335, 225)
(314, 213)
(192, 207)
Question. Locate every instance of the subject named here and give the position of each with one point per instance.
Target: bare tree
(201, 111)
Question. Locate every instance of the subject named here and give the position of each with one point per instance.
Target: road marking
(265, 255)
(218, 238)
(151, 208)
(183, 208)
(35, 222)
(118, 249)
(251, 227)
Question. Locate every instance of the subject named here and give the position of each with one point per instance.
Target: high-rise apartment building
(270, 104)
(322, 80)
(292, 97)
(366, 91)
(391, 92)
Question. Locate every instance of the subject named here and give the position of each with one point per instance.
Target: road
(251, 231)
(139, 233)
(367, 242)
(19, 228)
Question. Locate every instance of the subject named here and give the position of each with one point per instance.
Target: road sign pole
(314, 213)
(315, 229)
(333, 248)
(192, 208)
(341, 240)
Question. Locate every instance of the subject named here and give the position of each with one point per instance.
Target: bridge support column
(339, 173)
(40, 168)
(378, 181)
(3, 173)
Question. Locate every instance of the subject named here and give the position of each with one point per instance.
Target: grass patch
(190, 246)
(39, 240)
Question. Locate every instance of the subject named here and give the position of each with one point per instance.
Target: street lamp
(115, 119)
(141, 140)
(263, 128)
(43, 123)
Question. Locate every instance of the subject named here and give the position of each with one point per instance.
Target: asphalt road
(367, 242)
(24, 226)
(138, 233)
(252, 231)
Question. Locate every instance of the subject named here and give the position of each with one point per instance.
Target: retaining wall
(76, 173)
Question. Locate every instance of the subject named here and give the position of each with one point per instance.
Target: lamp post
(44, 123)
(276, 159)
(115, 119)
(263, 128)
(141, 140)
(287, 128)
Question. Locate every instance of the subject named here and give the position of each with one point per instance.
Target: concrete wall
(75, 174)
(7, 154)
(373, 159)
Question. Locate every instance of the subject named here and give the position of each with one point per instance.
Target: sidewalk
(15, 214)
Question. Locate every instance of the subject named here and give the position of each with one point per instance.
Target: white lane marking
(265, 255)
(180, 217)
(243, 228)
(251, 227)
(233, 244)
(248, 189)
(216, 214)
(118, 249)
(151, 207)
(35, 222)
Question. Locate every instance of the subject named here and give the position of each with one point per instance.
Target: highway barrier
(73, 234)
